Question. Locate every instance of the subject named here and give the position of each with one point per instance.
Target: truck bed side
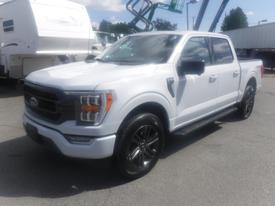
(250, 69)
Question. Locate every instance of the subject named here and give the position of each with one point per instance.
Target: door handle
(213, 78)
(236, 73)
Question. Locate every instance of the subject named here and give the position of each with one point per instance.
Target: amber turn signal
(109, 102)
(90, 108)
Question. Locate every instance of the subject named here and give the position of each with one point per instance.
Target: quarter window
(222, 53)
(197, 49)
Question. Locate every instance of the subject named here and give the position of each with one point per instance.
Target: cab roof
(183, 33)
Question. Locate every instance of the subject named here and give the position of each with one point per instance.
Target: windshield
(142, 49)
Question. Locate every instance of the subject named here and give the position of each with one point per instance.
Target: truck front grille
(50, 104)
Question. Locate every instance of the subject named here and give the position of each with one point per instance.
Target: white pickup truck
(125, 103)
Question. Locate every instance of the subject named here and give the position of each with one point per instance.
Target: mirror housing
(90, 58)
(186, 67)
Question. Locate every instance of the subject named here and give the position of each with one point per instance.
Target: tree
(117, 28)
(164, 25)
(94, 28)
(235, 20)
(105, 26)
(121, 28)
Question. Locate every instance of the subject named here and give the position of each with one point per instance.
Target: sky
(114, 11)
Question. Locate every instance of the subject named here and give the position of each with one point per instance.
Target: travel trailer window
(8, 25)
(67, 21)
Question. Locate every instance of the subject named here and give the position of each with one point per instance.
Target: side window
(8, 25)
(197, 48)
(221, 51)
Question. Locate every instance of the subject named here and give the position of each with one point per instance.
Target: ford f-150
(124, 103)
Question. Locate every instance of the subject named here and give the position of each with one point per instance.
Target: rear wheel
(247, 104)
(140, 144)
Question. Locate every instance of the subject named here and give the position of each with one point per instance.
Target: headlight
(92, 107)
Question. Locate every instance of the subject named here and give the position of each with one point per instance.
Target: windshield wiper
(106, 61)
(100, 60)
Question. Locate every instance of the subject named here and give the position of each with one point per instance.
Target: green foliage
(94, 28)
(117, 28)
(164, 25)
(235, 20)
(105, 26)
(123, 28)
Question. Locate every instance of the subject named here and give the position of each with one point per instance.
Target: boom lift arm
(216, 19)
(144, 10)
(140, 15)
(201, 14)
(218, 16)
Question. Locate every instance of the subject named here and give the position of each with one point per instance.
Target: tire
(247, 104)
(141, 141)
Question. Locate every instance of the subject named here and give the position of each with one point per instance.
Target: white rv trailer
(35, 34)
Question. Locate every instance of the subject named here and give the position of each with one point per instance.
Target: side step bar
(201, 123)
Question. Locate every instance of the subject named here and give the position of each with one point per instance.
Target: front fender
(148, 97)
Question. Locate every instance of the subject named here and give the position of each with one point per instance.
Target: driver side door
(196, 94)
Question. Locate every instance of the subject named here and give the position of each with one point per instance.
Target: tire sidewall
(124, 137)
(243, 112)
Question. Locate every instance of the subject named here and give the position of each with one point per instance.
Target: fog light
(79, 139)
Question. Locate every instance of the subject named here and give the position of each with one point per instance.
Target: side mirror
(190, 67)
(90, 58)
(94, 48)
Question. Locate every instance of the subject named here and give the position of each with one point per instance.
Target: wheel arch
(252, 81)
(147, 107)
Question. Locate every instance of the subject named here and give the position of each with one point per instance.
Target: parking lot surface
(230, 162)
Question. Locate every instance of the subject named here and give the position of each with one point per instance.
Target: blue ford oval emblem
(33, 102)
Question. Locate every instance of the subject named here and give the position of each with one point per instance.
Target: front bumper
(97, 148)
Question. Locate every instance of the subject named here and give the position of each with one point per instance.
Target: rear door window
(222, 53)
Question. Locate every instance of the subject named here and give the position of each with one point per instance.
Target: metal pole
(187, 15)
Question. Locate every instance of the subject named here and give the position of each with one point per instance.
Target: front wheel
(140, 144)
(247, 104)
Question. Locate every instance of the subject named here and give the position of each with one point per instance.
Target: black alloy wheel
(140, 145)
(247, 104)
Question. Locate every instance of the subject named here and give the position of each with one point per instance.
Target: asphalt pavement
(231, 162)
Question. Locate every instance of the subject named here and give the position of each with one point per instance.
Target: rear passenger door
(228, 72)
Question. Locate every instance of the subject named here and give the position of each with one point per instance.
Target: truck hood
(86, 76)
